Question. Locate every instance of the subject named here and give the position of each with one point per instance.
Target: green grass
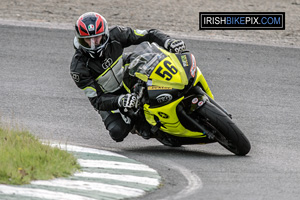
(24, 158)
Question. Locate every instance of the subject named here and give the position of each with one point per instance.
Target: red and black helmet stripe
(83, 31)
(99, 25)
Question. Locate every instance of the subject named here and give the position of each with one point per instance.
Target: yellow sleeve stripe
(126, 88)
(90, 92)
(139, 33)
(89, 87)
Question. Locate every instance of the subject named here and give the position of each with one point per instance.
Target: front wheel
(224, 130)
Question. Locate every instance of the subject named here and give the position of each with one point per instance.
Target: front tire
(224, 129)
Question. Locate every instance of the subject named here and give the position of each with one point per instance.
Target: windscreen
(145, 63)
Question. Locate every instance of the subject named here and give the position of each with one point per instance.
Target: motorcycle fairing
(167, 75)
(169, 72)
(167, 116)
(162, 69)
(161, 95)
(200, 79)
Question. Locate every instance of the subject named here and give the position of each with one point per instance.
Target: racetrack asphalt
(258, 84)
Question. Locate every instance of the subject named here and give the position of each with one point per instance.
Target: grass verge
(24, 158)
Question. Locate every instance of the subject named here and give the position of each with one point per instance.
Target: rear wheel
(223, 129)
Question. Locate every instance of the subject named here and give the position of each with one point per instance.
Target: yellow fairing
(168, 73)
(170, 122)
(200, 78)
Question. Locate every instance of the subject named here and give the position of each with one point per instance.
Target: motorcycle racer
(97, 67)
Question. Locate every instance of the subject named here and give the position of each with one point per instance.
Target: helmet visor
(93, 43)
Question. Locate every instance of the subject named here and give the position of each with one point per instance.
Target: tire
(224, 130)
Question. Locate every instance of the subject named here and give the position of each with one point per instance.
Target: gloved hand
(127, 100)
(174, 46)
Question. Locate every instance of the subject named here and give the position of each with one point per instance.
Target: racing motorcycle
(176, 101)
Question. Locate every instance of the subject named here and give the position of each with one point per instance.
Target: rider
(97, 67)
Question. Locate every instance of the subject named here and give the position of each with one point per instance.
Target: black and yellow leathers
(101, 78)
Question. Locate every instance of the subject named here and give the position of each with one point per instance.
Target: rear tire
(225, 131)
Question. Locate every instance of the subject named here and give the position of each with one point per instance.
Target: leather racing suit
(101, 78)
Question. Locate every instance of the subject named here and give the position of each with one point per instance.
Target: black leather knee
(117, 131)
(116, 126)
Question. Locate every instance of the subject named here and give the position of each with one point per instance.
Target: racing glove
(174, 46)
(127, 100)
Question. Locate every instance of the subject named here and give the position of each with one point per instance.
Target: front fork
(194, 102)
(180, 110)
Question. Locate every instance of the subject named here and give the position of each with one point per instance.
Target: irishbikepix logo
(242, 20)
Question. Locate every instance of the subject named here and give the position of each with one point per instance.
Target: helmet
(91, 25)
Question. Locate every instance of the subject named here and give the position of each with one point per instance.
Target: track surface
(258, 85)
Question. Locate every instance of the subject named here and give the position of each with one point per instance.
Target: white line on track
(127, 178)
(39, 193)
(86, 150)
(91, 186)
(194, 182)
(114, 165)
